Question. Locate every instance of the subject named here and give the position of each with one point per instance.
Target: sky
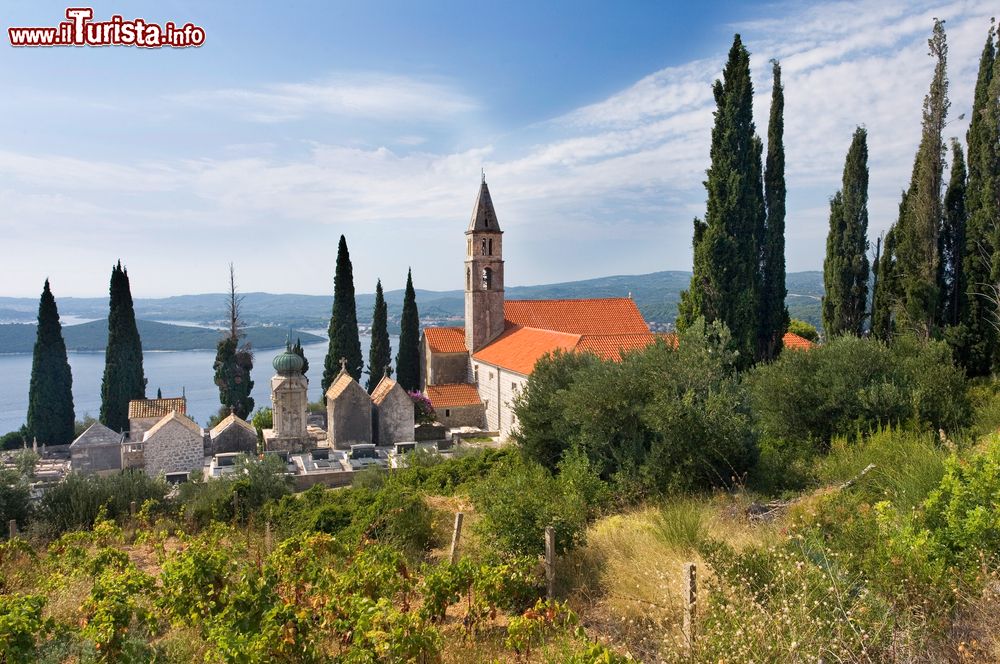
(297, 122)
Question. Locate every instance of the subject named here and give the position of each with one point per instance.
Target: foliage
(725, 284)
(123, 375)
(976, 347)
(520, 498)
(15, 497)
(803, 329)
(115, 602)
(423, 409)
(773, 315)
(850, 386)
(192, 583)
(672, 416)
(13, 440)
(845, 269)
(50, 392)
(380, 351)
(233, 364)
(951, 242)
(528, 629)
(408, 355)
(298, 350)
(345, 342)
(77, 501)
(262, 419)
(21, 623)
(238, 495)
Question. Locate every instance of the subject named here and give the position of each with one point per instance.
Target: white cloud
(357, 95)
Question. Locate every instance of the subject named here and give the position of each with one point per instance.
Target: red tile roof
(519, 348)
(141, 408)
(612, 346)
(795, 342)
(446, 339)
(594, 316)
(452, 396)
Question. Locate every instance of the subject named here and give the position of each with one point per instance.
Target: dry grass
(626, 581)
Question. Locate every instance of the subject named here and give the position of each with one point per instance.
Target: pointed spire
(484, 217)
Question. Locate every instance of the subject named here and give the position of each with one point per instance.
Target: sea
(173, 372)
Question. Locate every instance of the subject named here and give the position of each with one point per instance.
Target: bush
(671, 417)
(803, 329)
(15, 497)
(520, 498)
(77, 501)
(240, 495)
(850, 386)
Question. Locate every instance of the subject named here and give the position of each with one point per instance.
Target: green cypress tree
(725, 284)
(298, 350)
(773, 312)
(951, 241)
(123, 376)
(977, 352)
(50, 394)
(380, 352)
(234, 360)
(917, 232)
(408, 355)
(884, 289)
(345, 341)
(846, 269)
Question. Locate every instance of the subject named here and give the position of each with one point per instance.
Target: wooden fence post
(267, 537)
(456, 534)
(12, 528)
(131, 509)
(550, 560)
(690, 583)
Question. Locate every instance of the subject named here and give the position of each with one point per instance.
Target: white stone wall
(289, 402)
(174, 448)
(497, 388)
(395, 417)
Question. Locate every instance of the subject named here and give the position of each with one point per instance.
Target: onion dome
(287, 362)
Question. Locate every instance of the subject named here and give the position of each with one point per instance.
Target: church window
(447, 412)
(491, 246)
(484, 247)
(475, 373)
(468, 279)
(487, 278)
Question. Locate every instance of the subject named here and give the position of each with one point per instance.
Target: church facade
(473, 374)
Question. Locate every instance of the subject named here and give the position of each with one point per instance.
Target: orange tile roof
(795, 342)
(611, 346)
(383, 389)
(340, 384)
(519, 348)
(140, 408)
(594, 316)
(453, 395)
(446, 339)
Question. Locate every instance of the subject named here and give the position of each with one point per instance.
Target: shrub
(851, 385)
(803, 329)
(77, 501)
(15, 497)
(423, 411)
(240, 495)
(21, 624)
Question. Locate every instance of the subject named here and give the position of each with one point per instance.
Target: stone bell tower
(484, 320)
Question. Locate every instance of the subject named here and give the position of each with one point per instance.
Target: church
(472, 375)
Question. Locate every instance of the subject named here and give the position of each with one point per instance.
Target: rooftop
(142, 408)
(383, 389)
(171, 417)
(452, 396)
(446, 339)
(97, 434)
(340, 384)
(795, 342)
(600, 316)
(230, 421)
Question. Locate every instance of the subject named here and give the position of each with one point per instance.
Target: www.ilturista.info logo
(80, 30)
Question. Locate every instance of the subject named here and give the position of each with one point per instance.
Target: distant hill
(655, 294)
(93, 336)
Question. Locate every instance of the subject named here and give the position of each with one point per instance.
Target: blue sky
(293, 125)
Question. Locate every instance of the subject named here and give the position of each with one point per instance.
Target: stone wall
(461, 416)
(448, 368)
(497, 388)
(173, 448)
(233, 439)
(138, 426)
(95, 459)
(394, 418)
(289, 400)
(349, 418)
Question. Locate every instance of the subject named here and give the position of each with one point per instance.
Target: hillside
(656, 294)
(93, 336)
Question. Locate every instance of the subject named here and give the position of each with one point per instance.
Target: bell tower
(484, 319)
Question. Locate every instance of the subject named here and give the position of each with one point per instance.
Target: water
(172, 372)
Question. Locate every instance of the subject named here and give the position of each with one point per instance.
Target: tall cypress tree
(380, 352)
(725, 284)
(234, 360)
(773, 312)
(123, 376)
(408, 355)
(298, 350)
(50, 394)
(917, 232)
(846, 269)
(884, 296)
(345, 341)
(977, 352)
(951, 241)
